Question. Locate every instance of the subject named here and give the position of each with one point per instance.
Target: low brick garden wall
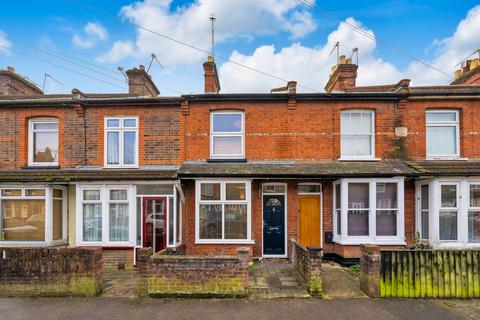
(167, 275)
(308, 262)
(50, 272)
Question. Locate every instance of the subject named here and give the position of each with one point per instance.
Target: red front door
(154, 222)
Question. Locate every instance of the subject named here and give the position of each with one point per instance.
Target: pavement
(242, 309)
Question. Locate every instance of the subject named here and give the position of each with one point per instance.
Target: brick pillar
(244, 258)
(315, 282)
(143, 269)
(370, 270)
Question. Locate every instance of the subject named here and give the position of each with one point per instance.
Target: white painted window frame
(48, 199)
(214, 134)
(455, 124)
(372, 238)
(222, 202)
(121, 130)
(105, 200)
(463, 198)
(372, 137)
(418, 208)
(31, 147)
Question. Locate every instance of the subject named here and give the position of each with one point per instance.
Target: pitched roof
(446, 167)
(319, 169)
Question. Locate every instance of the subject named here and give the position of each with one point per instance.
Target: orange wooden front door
(309, 208)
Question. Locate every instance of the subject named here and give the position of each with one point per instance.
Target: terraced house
(208, 173)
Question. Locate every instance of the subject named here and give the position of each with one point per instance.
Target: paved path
(340, 282)
(305, 309)
(119, 283)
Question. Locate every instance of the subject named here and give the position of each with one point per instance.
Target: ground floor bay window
(33, 215)
(448, 211)
(369, 211)
(223, 211)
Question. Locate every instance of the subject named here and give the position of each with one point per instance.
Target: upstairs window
(227, 135)
(357, 134)
(121, 142)
(43, 142)
(442, 130)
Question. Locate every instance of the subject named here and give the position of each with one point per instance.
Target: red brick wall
(112, 257)
(159, 134)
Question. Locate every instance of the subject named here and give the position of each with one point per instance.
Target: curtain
(113, 144)
(118, 222)
(92, 222)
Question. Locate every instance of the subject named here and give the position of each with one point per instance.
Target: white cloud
(309, 66)
(94, 32)
(119, 50)
(5, 44)
(236, 19)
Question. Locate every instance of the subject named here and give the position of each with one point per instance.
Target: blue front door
(274, 225)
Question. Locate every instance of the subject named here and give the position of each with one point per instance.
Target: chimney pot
(141, 67)
(468, 74)
(341, 59)
(344, 76)
(349, 61)
(11, 69)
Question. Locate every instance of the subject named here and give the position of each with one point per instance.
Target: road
(291, 309)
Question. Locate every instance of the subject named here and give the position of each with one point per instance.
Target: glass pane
(227, 145)
(92, 222)
(338, 196)
(339, 222)
(474, 226)
(179, 218)
(365, 123)
(348, 146)
(118, 194)
(358, 222)
(45, 146)
(23, 220)
(154, 189)
(346, 123)
(12, 192)
(363, 145)
(386, 195)
(57, 193)
(139, 221)
(35, 192)
(425, 230)
(235, 191)
(57, 219)
(113, 123)
(475, 195)
(118, 230)
(309, 188)
(113, 147)
(424, 197)
(441, 116)
(386, 222)
(441, 140)
(210, 191)
(91, 195)
(130, 123)
(449, 196)
(236, 221)
(273, 188)
(129, 144)
(210, 221)
(358, 196)
(448, 225)
(45, 126)
(227, 122)
(171, 221)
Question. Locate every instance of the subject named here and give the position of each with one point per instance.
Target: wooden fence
(430, 274)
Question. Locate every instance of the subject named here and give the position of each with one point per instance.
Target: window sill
(43, 167)
(214, 160)
(105, 244)
(224, 241)
(445, 158)
(455, 245)
(358, 159)
(121, 167)
(364, 240)
(7, 243)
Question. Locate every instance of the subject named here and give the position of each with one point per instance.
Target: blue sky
(282, 37)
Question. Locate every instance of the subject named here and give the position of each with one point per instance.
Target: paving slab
(340, 282)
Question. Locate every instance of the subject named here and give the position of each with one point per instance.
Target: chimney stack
(469, 74)
(14, 84)
(140, 83)
(212, 82)
(343, 76)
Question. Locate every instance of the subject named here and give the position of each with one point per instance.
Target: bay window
(32, 215)
(106, 215)
(368, 211)
(442, 134)
(357, 134)
(121, 142)
(223, 212)
(227, 135)
(43, 142)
